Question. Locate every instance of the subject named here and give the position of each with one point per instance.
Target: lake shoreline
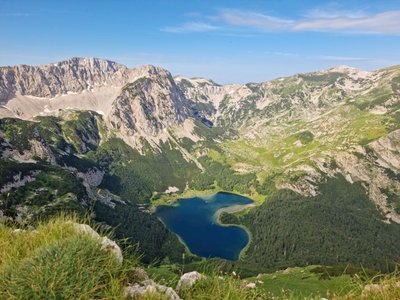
(231, 210)
(214, 217)
(172, 199)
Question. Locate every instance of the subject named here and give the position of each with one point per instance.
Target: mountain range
(319, 152)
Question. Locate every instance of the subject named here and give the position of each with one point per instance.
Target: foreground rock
(151, 289)
(106, 243)
(187, 280)
(250, 285)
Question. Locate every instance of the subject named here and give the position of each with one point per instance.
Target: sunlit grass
(57, 262)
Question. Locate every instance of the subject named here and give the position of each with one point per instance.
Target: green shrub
(305, 137)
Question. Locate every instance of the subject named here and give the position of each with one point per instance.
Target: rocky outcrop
(387, 150)
(37, 149)
(106, 243)
(366, 169)
(147, 287)
(70, 76)
(92, 178)
(187, 280)
(150, 289)
(148, 106)
(110, 245)
(18, 181)
(141, 286)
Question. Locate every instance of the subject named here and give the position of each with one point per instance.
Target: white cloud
(382, 23)
(191, 27)
(318, 20)
(254, 19)
(333, 10)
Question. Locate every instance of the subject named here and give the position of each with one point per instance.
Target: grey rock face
(72, 75)
(19, 181)
(139, 103)
(149, 105)
(388, 150)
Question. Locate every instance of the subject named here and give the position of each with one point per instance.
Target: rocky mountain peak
(147, 106)
(342, 69)
(152, 70)
(351, 72)
(69, 76)
(92, 63)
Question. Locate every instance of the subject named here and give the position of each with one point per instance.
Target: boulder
(250, 285)
(187, 280)
(150, 288)
(86, 229)
(106, 243)
(109, 245)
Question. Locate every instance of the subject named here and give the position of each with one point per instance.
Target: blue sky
(228, 41)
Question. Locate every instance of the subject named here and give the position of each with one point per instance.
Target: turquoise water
(193, 220)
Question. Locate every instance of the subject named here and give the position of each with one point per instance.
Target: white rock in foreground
(250, 285)
(86, 229)
(187, 280)
(106, 243)
(110, 245)
(150, 288)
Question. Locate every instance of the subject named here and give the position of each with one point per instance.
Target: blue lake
(194, 221)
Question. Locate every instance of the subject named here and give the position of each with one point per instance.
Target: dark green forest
(341, 225)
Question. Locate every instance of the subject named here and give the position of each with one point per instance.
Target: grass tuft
(57, 262)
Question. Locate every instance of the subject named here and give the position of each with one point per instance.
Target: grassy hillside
(57, 261)
(134, 176)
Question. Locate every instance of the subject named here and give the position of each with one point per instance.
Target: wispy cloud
(254, 19)
(191, 27)
(318, 20)
(333, 10)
